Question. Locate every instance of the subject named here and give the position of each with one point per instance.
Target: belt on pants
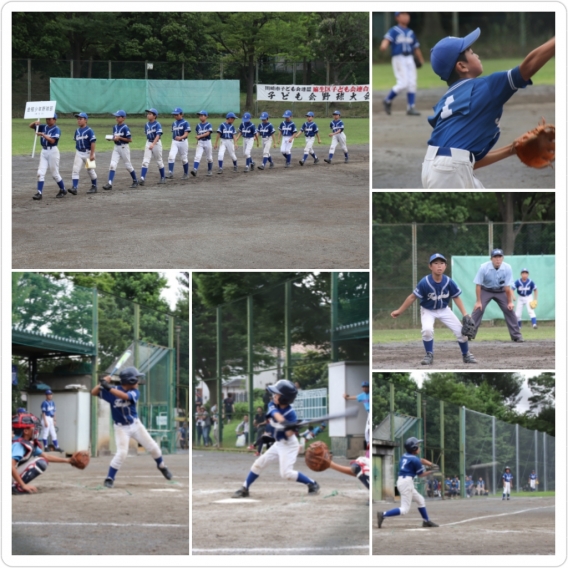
(442, 151)
(492, 289)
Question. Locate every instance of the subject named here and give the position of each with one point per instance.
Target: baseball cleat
(135, 184)
(313, 488)
(428, 359)
(271, 165)
(220, 171)
(109, 482)
(327, 161)
(252, 164)
(170, 175)
(73, 190)
(235, 169)
(469, 358)
(37, 196)
(246, 169)
(93, 189)
(412, 112)
(429, 524)
(316, 160)
(209, 172)
(165, 472)
(261, 167)
(193, 173)
(380, 519)
(301, 162)
(242, 492)
(535, 326)
(520, 340)
(107, 186)
(141, 182)
(185, 176)
(162, 180)
(388, 106)
(346, 160)
(62, 193)
(287, 165)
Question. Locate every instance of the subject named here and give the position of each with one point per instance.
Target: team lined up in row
(226, 141)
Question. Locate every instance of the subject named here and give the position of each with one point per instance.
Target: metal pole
(490, 236)
(183, 70)
(517, 456)
(455, 24)
(293, 73)
(219, 382)
(94, 376)
(221, 70)
(462, 450)
(493, 455)
(178, 386)
(193, 382)
(287, 330)
(419, 416)
(544, 470)
(29, 79)
(414, 271)
(442, 448)
(391, 406)
(523, 32)
(334, 315)
(250, 362)
(71, 68)
(535, 451)
(171, 389)
(327, 83)
(146, 70)
(110, 69)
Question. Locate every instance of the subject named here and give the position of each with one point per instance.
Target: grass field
(356, 129)
(383, 77)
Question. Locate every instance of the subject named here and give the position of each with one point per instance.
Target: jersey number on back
(446, 110)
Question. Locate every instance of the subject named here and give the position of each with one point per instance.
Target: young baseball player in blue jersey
(287, 129)
(247, 130)
(283, 419)
(466, 119)
(265, 131)
(49, 157)
(180, 133)
(85, 142)
(410, 466)
(310, 131)
(533, 480)
(337, 135)
(507, 483)
(123, 400)
(434, 293)
(226, 132)
(48, 421)
(525, 288)
(153, 130)
(404, 46)
(121, 137)
(203, 132)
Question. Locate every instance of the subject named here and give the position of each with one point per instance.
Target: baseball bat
(125, 356)
(349, 413)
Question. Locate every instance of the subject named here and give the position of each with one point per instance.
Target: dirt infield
(480, 525)
(489, 355)
(304, 217)
(335, 522)
(72, 513)
(399, 141)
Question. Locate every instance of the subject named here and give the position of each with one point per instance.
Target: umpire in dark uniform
(493, 281)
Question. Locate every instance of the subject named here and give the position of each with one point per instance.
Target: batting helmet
(21, 421)
(285, 389)
(231, 115)
(246, 116)
(130, 376)
(287, 114)
(264, 116)
(203, 112)
(411, 445)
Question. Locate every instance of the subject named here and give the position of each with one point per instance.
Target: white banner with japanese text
(314, 93)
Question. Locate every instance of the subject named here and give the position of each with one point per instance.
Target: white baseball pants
(49, 429)
(532, 483)
(446, 316)
(156, 152)
(506, 488)
(122, 435)
(309, 145)
(287, 143)
(448, 172)
(49, 158)
(408, 493)
(181, 147)
(266, 146)
(204, 146)
(247, 146)
(121, 151)
(404, 72)
(284, 452)
(523, 301)
(340, 139)
(81, 159)
(229, 146)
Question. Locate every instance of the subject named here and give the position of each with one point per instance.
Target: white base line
(499, 515)
(323, 549)
(151, 525)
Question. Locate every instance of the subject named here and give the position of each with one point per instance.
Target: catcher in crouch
(435, 292)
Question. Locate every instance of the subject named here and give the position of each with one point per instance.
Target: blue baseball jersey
(153, 129)
(180, 127)
(123, 131)
(289, 414)
(48, 407)
(247, 129)
(123, 411)
(436, 295)
(203, 127)
(533, 476)
(265, 130)
(364, 398)
(287, 128)
(337, 126)
(467, 116)
(310, 129)
(84, 137)
(52, 132)
(402, 40)
(508, 477)
(227, 131)
(410, 465)
(524, 288)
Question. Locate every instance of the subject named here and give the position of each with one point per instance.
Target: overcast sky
(171, 294)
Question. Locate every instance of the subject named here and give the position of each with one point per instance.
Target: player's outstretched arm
(404, 306)
(496, 156)
(536, 59)
(342, 469)
(55, 459)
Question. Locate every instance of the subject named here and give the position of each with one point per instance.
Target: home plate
(231, 500)
(164, 490)
(417, 529)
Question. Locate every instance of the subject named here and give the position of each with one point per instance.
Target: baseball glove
(80, 460)
(417, 62)
(536, 148)
(468, 327)
(533, 304)
(317, 456)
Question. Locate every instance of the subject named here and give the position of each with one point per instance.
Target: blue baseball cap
(365, 384)
(231, 115)
(287, 114)
(525, 270)
(177, 110)
(336, 112)
(437, 255)
(396, 14)
(21, 410)
(82, 115)
(264, 116)
(203, 112)
(246, 116)
(152, 110)
(496, 252)
(444, 55)
(55, 115)
(48, 392)
(310, 113)
(119, 113)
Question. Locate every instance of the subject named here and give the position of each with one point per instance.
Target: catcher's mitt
(318, 456)
(80, 460)
(536, 148)
(533, 304)
(468, 327)
(417, 62)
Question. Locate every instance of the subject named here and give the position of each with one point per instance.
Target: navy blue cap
(437, 255)
(246, 116)
(287, 114)
(336, 112)
(525, 270)
(264, 116)
(55, 115)
(177, 110)
(365, 384)
(82, 115)
(119, 113)
(444, 55)
(47, 392)
(496, 252)
(231, 115)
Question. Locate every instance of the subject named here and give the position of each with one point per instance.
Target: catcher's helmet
(264, 116)
(411, 445)
(21, 421)
(130, 376)
(285, 389)
(287, 114)
(231, 115)
(246, 116)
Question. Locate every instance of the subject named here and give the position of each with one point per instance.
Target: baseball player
(480, 487)
(267, 438)
(85, 142)
(153, 130)
(285, 450)
(494, 281)
(310, 131)
(533, 480)
(265, 131)
(226, 132)
(507, 483)
(28, 459)
(466, 119)
(434, 292)
(525, 288)
(404, 47)
(362, 397)
(48, 421)
(122, 400)
(203, 132)
(49, 157)
(358, 468)
(121, 137)
(337, 135)
(287, 129)
(410, 466)
(180, 132)
(247, 130)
